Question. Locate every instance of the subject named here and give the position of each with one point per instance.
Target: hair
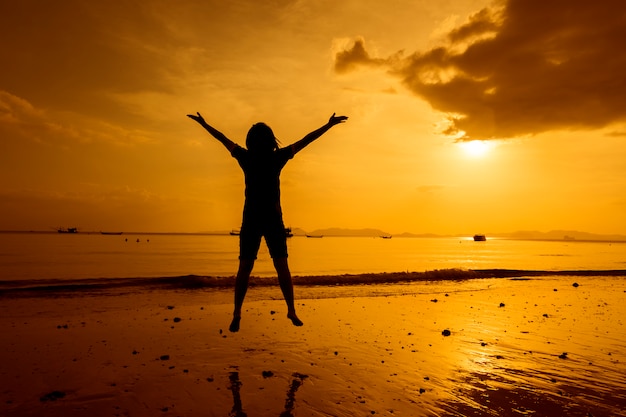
(261, 138)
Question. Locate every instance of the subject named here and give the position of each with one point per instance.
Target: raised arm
(229, 144)
(302, 143)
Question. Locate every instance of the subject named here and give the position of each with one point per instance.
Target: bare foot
(294, 319)
(234, 325)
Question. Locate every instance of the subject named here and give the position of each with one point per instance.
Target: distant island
(336, 231)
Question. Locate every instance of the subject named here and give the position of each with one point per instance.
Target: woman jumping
(262, 163)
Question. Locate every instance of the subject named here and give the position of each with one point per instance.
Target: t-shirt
(262, 179)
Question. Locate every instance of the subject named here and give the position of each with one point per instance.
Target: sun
(476, 148)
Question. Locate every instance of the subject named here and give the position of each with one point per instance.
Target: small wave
(192, 282)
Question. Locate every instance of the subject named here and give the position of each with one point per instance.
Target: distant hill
(408, 234)
(336, 231)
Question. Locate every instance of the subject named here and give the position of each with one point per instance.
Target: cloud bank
(519, 68)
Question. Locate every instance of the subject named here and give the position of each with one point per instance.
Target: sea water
(33, 256)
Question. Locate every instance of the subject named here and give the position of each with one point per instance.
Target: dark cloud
(519, 68)
(351, 59)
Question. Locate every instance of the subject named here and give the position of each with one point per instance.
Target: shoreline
(45, 287)
(541, 347)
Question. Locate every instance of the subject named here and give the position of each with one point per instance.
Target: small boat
(386, 236)
(111, 233)
(480, 238)
(315, 236)
(67, 230)
(235, 232)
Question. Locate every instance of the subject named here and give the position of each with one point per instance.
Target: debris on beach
(52, 396)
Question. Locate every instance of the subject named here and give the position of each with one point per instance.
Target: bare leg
(286, 286)
(241, 287)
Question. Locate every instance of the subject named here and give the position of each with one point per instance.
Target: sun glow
(476, 148)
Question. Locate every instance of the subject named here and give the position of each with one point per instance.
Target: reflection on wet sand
(235, 386)
(528, 392)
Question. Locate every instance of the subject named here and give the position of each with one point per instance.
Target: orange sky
(93, 98)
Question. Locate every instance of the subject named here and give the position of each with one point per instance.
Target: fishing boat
(67, 230)
(480, 238)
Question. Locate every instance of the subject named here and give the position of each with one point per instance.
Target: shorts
(250, 239)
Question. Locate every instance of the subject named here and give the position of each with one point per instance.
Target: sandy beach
(479, 347)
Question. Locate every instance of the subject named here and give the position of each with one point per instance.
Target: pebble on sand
(52, 396)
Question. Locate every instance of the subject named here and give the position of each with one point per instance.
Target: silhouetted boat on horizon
(480, 238)
(111, 233)
(67, 230)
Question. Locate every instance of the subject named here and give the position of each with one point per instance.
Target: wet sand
(480, 347)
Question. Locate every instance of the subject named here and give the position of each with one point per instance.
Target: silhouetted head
(261, 138)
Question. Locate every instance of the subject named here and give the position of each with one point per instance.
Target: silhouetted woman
(262, 163)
